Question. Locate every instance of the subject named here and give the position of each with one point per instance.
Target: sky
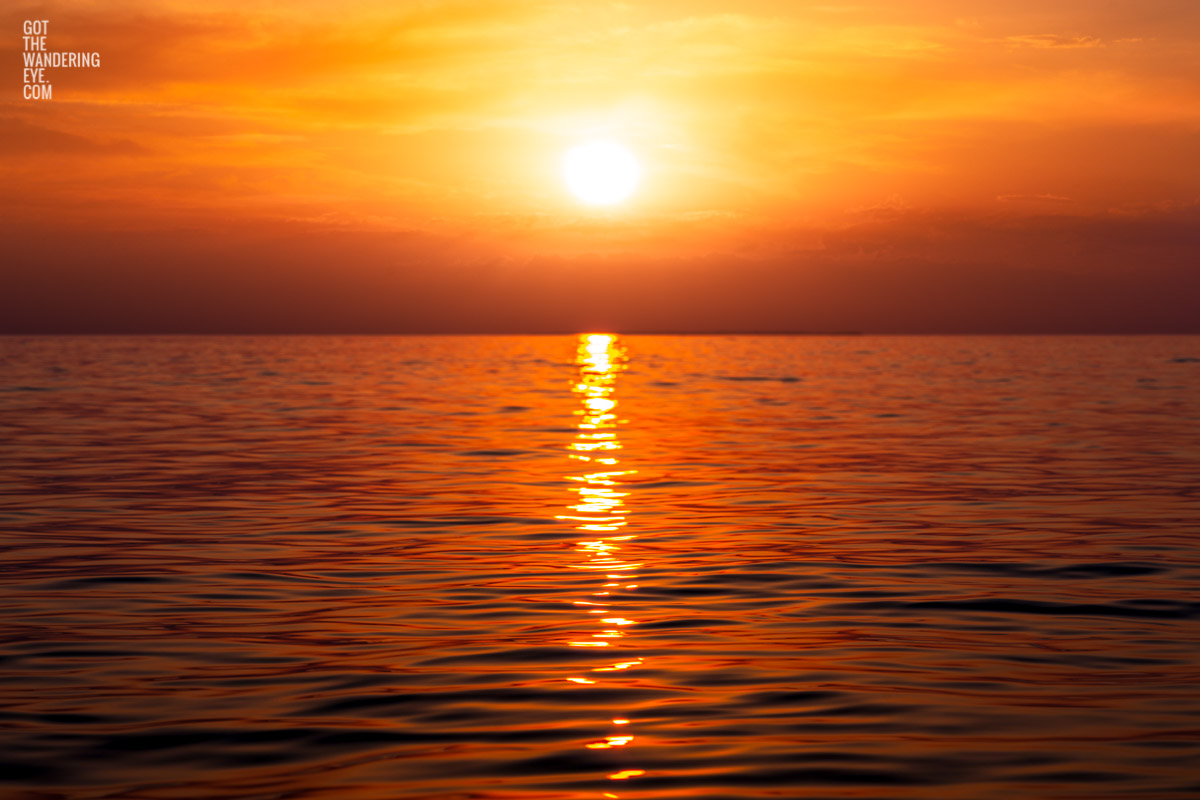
(890, 166)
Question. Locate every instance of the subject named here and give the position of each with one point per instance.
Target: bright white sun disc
(600, 172)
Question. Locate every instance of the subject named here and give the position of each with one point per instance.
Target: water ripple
(556, 567)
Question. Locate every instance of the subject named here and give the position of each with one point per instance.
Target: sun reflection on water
(599, 513)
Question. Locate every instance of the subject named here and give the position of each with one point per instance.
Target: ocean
(595, 566)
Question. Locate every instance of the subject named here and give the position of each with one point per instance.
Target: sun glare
(601, 172)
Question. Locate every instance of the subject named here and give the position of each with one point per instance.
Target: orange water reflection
(599, 512)
(928, 568)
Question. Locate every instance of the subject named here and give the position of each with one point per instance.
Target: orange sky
(883, 165)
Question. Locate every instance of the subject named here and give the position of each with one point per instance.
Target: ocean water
(598, 567)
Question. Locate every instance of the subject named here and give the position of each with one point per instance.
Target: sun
(600, 172)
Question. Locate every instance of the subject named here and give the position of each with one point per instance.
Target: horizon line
(577, 332)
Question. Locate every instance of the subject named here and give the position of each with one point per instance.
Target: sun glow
(600, 172)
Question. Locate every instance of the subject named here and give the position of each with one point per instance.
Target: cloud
(914, 270)
(22, 138)
(1034, 198)
(1052, 40)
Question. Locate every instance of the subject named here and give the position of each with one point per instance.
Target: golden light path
(599, 513)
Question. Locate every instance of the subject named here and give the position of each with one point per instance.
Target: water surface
(561, 567)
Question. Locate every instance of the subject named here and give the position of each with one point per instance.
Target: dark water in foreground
(546, 567)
